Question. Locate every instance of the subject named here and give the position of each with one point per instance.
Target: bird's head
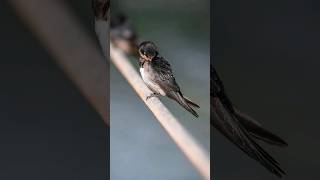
(148, 50)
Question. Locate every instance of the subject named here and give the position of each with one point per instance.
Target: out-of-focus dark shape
(241, 129)
(123, 35)
(73, 50)
(101, 9)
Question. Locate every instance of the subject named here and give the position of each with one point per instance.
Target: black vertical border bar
(211, 62)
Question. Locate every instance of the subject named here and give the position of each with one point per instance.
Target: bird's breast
(148, 80)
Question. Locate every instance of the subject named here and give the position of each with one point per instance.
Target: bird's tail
(257, 131)
(184, 102)
(191, 103)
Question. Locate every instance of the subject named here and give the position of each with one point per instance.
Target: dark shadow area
(47, 129)
(267, 54)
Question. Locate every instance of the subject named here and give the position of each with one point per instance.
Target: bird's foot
(152, 95)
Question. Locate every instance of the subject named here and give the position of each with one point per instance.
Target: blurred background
(47, 128)
(267, 54)
(140, 148)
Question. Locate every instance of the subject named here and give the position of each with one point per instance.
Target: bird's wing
(251, 125)
(231, 128)
(164, 77)
(257, 131)
(217, 89)
(226, 119)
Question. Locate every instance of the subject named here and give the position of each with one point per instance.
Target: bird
(157, 74)
(101, 10)
(241, 129)
(123, 35)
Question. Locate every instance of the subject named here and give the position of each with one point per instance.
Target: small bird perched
(157, 74)
(241, 129)
(123, 35)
